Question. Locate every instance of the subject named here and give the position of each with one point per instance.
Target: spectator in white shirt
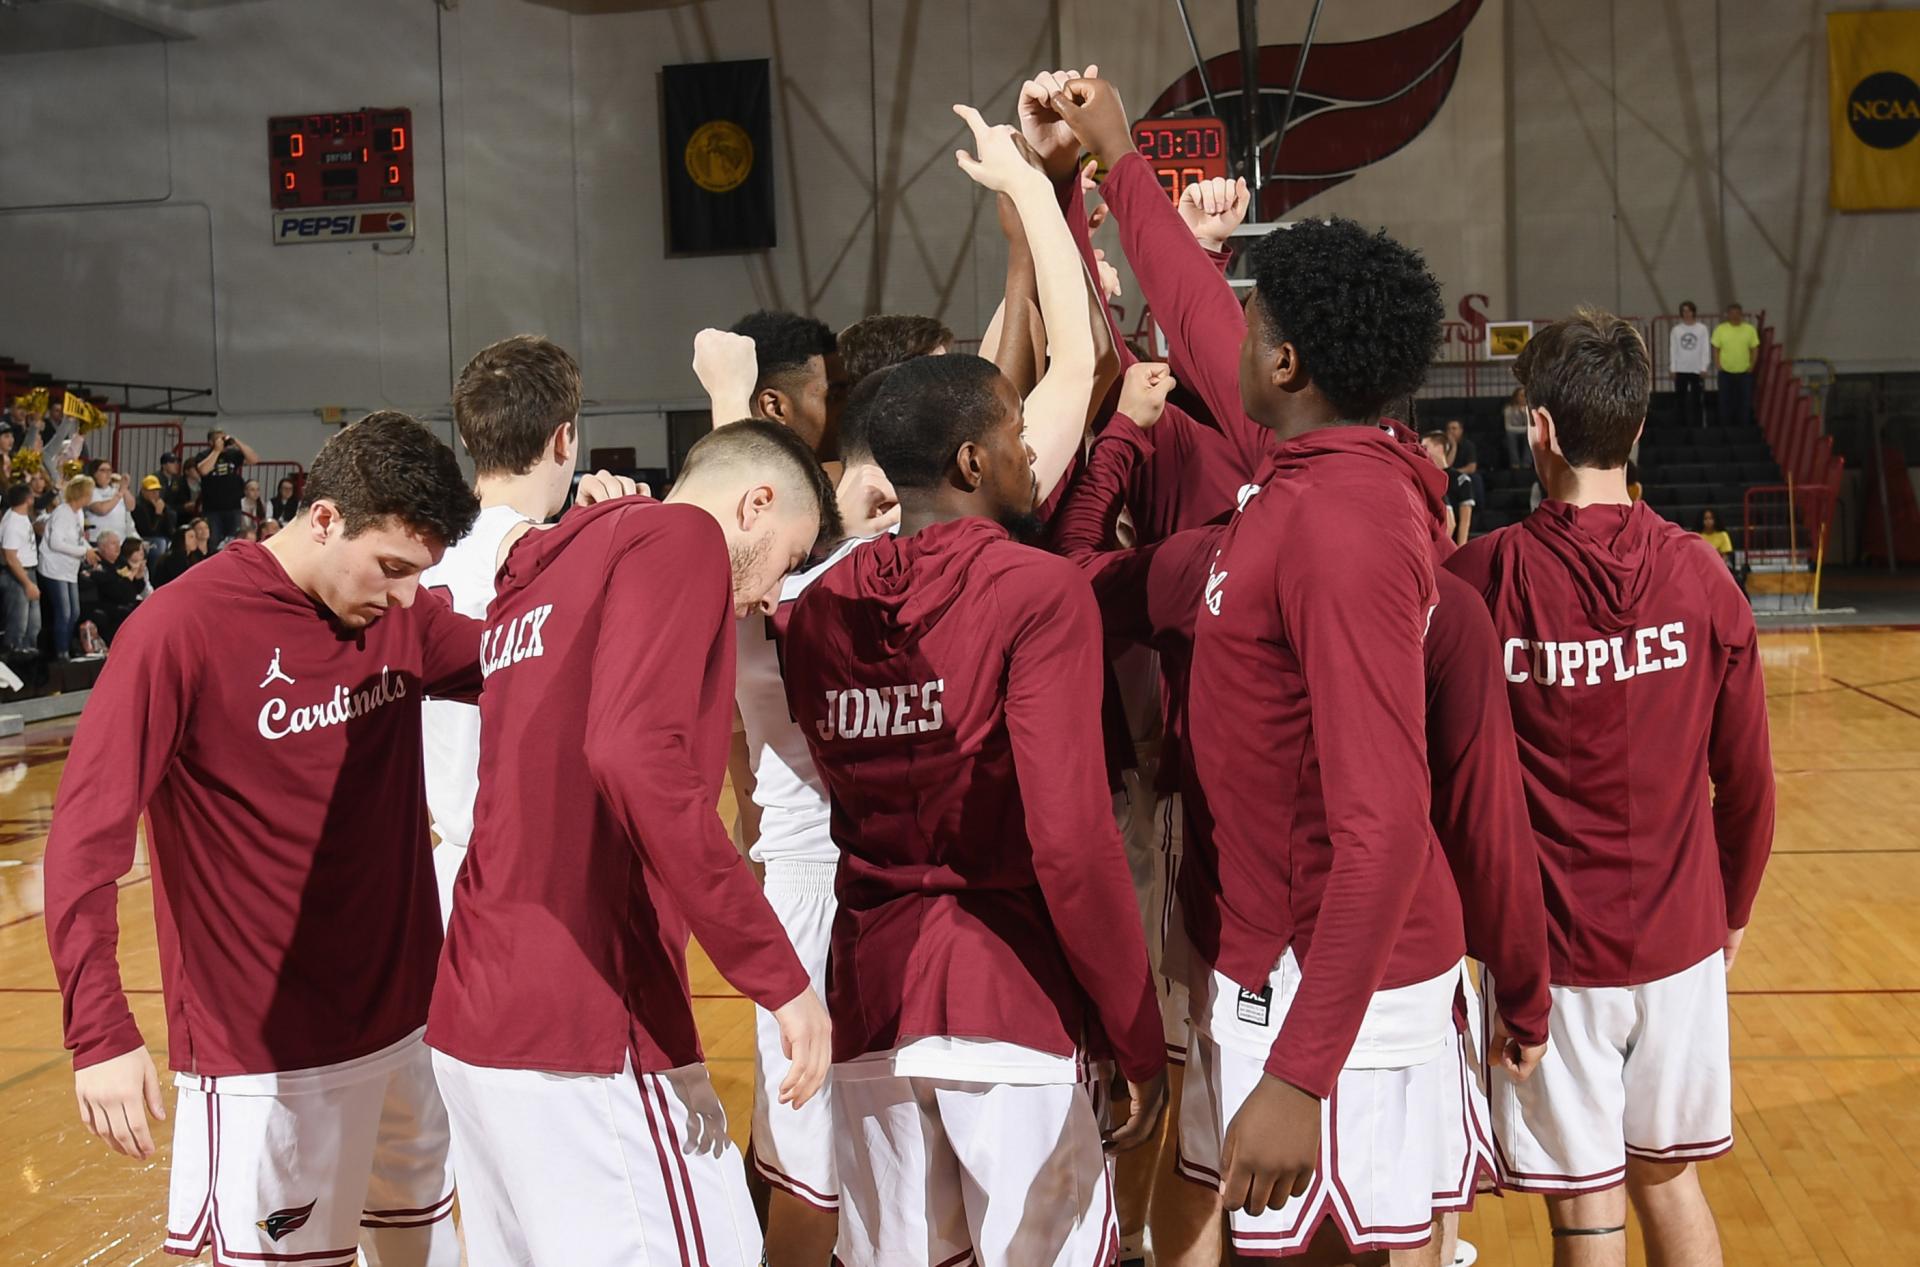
(252, 505)
(1690, 355)
(20, 581)
(112, 507)
(61, 555)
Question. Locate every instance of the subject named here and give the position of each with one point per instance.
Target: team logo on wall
(719, 156)
(1358, 103)
(1884, 110)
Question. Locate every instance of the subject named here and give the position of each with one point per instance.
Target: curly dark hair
(1362, 310)
(387, 466)
(783, 343)
(509, 400)
(873, 343)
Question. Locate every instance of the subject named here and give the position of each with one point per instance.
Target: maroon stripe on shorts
(666, 1172)
(680, 1160)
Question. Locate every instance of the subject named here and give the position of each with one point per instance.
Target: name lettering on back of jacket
(910, 708)
(1591, 661)
(513, 641)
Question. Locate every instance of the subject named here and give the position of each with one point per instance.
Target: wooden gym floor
(1826, 1002)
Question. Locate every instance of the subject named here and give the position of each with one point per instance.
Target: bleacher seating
(1683, 470)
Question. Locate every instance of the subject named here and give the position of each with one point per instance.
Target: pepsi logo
(396, 223)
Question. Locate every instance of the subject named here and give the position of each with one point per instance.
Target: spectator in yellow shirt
(1714, 535)
(1734, 344)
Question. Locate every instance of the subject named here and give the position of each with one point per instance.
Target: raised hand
(868, 504)
(1005, 160)
(1093, 109)
(1052, 140)
(1143, 393)
(727, 367)
(1214, 208)
(1108, 275)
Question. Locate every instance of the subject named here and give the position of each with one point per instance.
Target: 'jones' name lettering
(871, 712)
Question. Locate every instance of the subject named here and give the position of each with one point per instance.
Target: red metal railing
(137, 446)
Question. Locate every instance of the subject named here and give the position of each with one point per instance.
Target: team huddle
(1129, 765)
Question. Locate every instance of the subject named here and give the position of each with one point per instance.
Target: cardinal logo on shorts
(280, 1222)
(275, 673)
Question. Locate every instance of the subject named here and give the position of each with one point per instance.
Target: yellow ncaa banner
(1873, 63)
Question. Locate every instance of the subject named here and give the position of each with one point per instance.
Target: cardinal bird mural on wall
(1358, 103)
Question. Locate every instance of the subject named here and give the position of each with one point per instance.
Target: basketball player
(800, 384)
(516, 405)
(873, 343)
(1635, 681)
(264, 712)
(563, 1032)
(1151, 594)
(948, 683)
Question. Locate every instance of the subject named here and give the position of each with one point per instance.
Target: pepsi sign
(342, 224)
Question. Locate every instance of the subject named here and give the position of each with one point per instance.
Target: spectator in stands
(223, 483)
(1716, 536)
(20, 582)
(1736, 342)
(7, 442)
(189, 548)
(1689, 350)
(1435, 443)
(112, 508)
(16, 422)
(267, 528)
(153, 519)
(1513, 420)
(176, 488)
(286, 502)
(43, 498)
(120, 584)
(61, 556)
(249, 531)
(1461, 455)
(252, 505)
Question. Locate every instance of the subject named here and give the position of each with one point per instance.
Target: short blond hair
(78, 489)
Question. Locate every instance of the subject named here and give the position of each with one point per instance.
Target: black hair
(783, 343)
(926, 410)
(767, 446)
(1362, 310)
(19, 495)
(858, 413)
(388, 466)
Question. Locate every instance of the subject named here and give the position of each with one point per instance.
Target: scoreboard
(1183, 150)
(353, 158)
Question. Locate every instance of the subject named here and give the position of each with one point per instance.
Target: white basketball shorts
(1400, 1127)
(314, 1166)
(596, 1170)
(790, 1148)
(1630, 1071)
(942, 1171)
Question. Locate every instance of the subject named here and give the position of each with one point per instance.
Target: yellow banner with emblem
(1873, 60)
(85, 414)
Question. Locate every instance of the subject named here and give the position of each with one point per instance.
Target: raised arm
(1020, 340)
(1191, 302)
(725, 364)
(1056, 410)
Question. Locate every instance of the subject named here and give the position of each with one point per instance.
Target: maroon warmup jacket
(949, 686)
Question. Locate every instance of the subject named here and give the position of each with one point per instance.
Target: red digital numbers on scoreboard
(354, 158)
(1182, 151)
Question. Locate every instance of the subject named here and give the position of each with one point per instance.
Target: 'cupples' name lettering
(872, 712)
(278, 719)
(516, 640)
(1617, 659)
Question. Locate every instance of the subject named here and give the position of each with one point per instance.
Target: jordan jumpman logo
(275, 673)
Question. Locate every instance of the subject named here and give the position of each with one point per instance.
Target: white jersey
(450, 731)
(794, 818)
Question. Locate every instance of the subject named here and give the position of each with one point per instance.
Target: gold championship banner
(1873, 60)
(85, 414)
